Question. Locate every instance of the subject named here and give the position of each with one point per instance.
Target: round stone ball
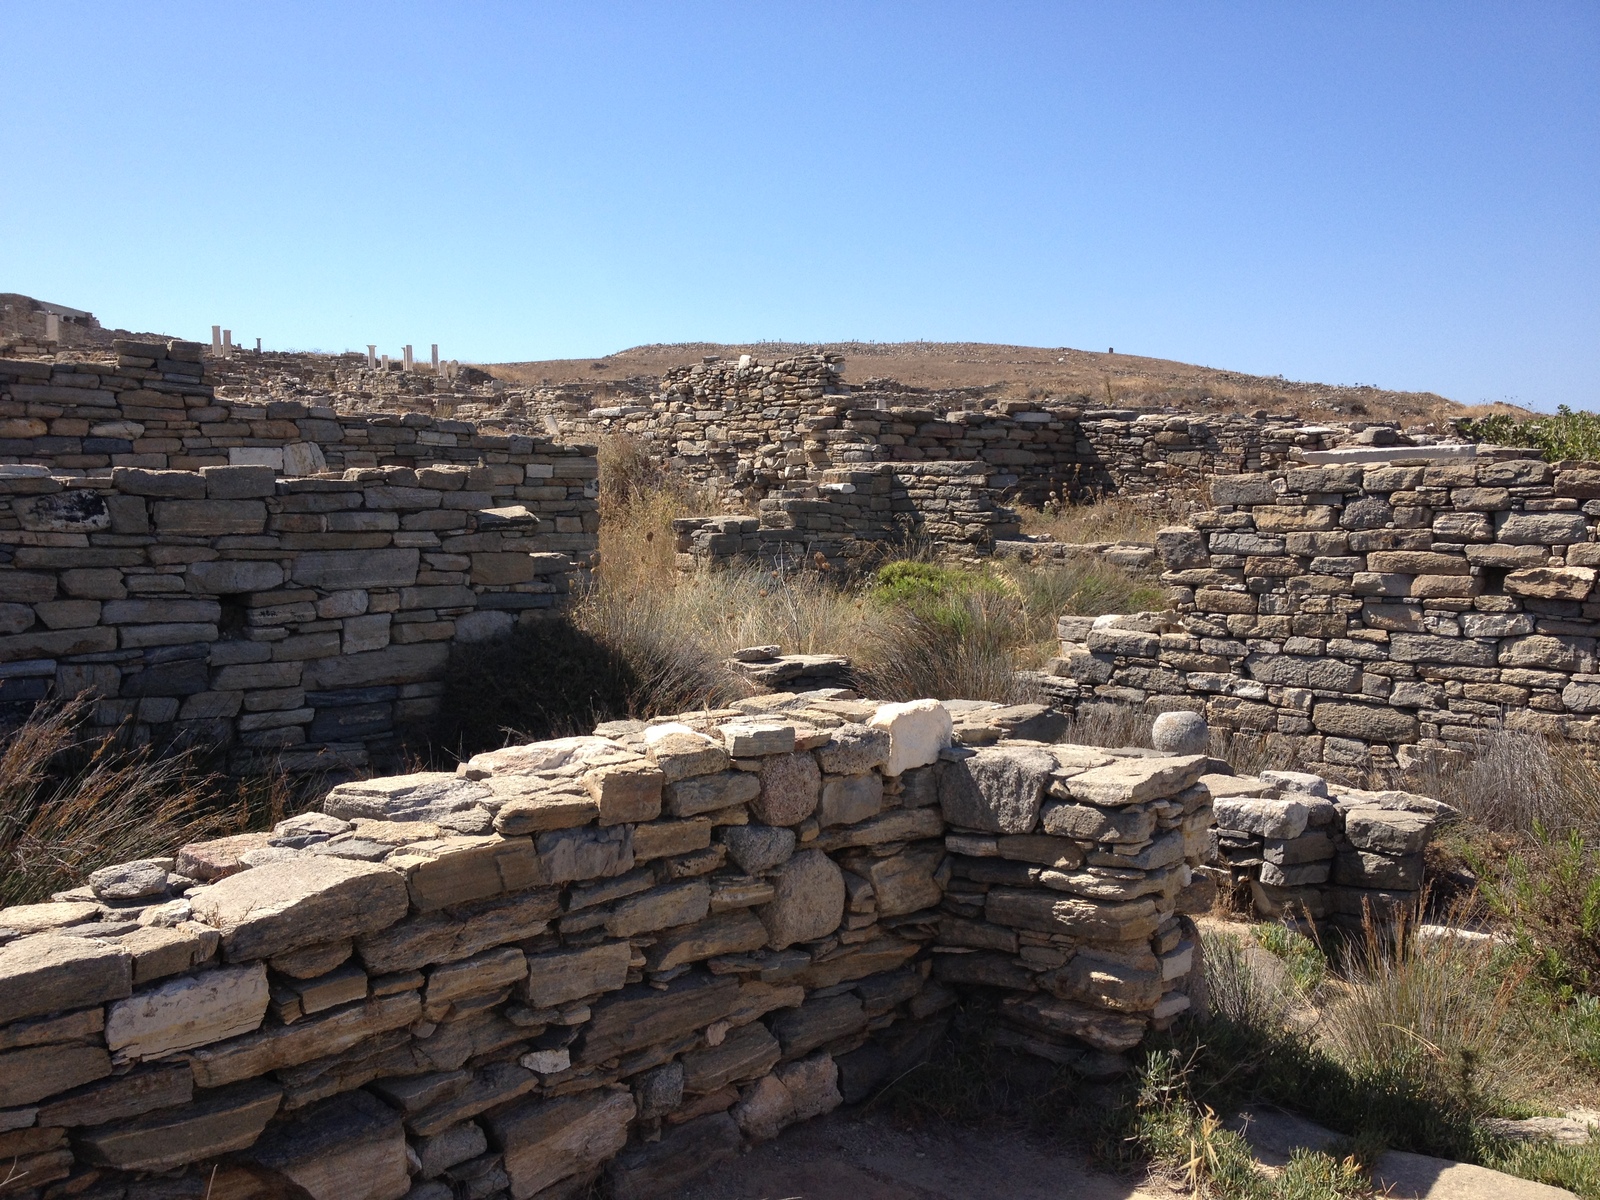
(1181, 733)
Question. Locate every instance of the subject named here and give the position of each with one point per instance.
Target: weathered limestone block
(791, 785)
(455, 1145)
(1136, 780)
(698, 794)
(763, 1109)
(1365, 722)
(218, 858)
(546, 1141)
(754, 739)
(460, 933)
(527, 811)
(1386, 831)
(819, 1022)
(904, 882)
(662, 908)
(1086, 823)
(187, 1013)
(458, 870)
(272, 909)
(812, 1084)
(1552, 583)
(641, 1016)
(918, 731)
(847, 799)
(629, 791)
(730, 933)
(853, 748)
(425, 796)
(659, 839)
(35, 1072)
(48, 972)
(1107, 983)
(130, 880)
(1541, 529)
(1363, 869)
(482, 974)
(1057, 1018)
(563, 976)
(213, 1123)
(290, 1045)
(140, 1091)
(1045, 912)
(538, 757)
(569, 854)
(1280, 819)
(682, 753)
(808, 902)
(350, 1147)
(1182, 548)
(998, 789)
(746, 1053)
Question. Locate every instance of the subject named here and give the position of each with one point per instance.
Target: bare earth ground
(846, 1157)
(1098, 378)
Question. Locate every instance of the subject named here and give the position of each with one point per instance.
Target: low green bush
(1567, 435)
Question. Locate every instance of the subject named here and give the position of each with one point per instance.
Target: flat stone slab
(1381, 454)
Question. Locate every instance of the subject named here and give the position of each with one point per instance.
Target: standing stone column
(406, 358)
(372, 357)
(435, 358)
(216, 340)
(52, 327)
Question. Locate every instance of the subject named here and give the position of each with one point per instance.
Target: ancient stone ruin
(282, 580)
(1369, 616)
(629, 953)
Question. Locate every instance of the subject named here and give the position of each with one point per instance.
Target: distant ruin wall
(748, 430)
(1365, 616)
(297, 605)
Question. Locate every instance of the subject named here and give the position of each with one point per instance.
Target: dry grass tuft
(1108, 519)
(73, 799)
(1519, 783)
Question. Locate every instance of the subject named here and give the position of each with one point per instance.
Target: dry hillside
(1098, 378)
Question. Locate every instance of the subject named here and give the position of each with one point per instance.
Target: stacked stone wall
(1363, 617)
(630, 954)
(850, 519)
(282, 581)
(748, 428)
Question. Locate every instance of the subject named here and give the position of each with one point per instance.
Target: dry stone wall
(848, 519)
(1364, 617)
(628, 954)
(749, 428)
(277, 581)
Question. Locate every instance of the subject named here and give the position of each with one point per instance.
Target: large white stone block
(918, 730)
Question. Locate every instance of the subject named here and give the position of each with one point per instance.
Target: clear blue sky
(1405, 194)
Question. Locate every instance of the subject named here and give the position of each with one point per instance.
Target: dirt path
(846, 1158)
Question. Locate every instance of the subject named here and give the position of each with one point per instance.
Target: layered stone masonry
(627, 954)
(154, 406)
(302, 621)
(1363, 617)
(1305, 847)
(279, 579)
(747, 428)
(850, 519)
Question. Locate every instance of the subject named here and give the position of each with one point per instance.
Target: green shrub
(1568, 434)
(1549, 893)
